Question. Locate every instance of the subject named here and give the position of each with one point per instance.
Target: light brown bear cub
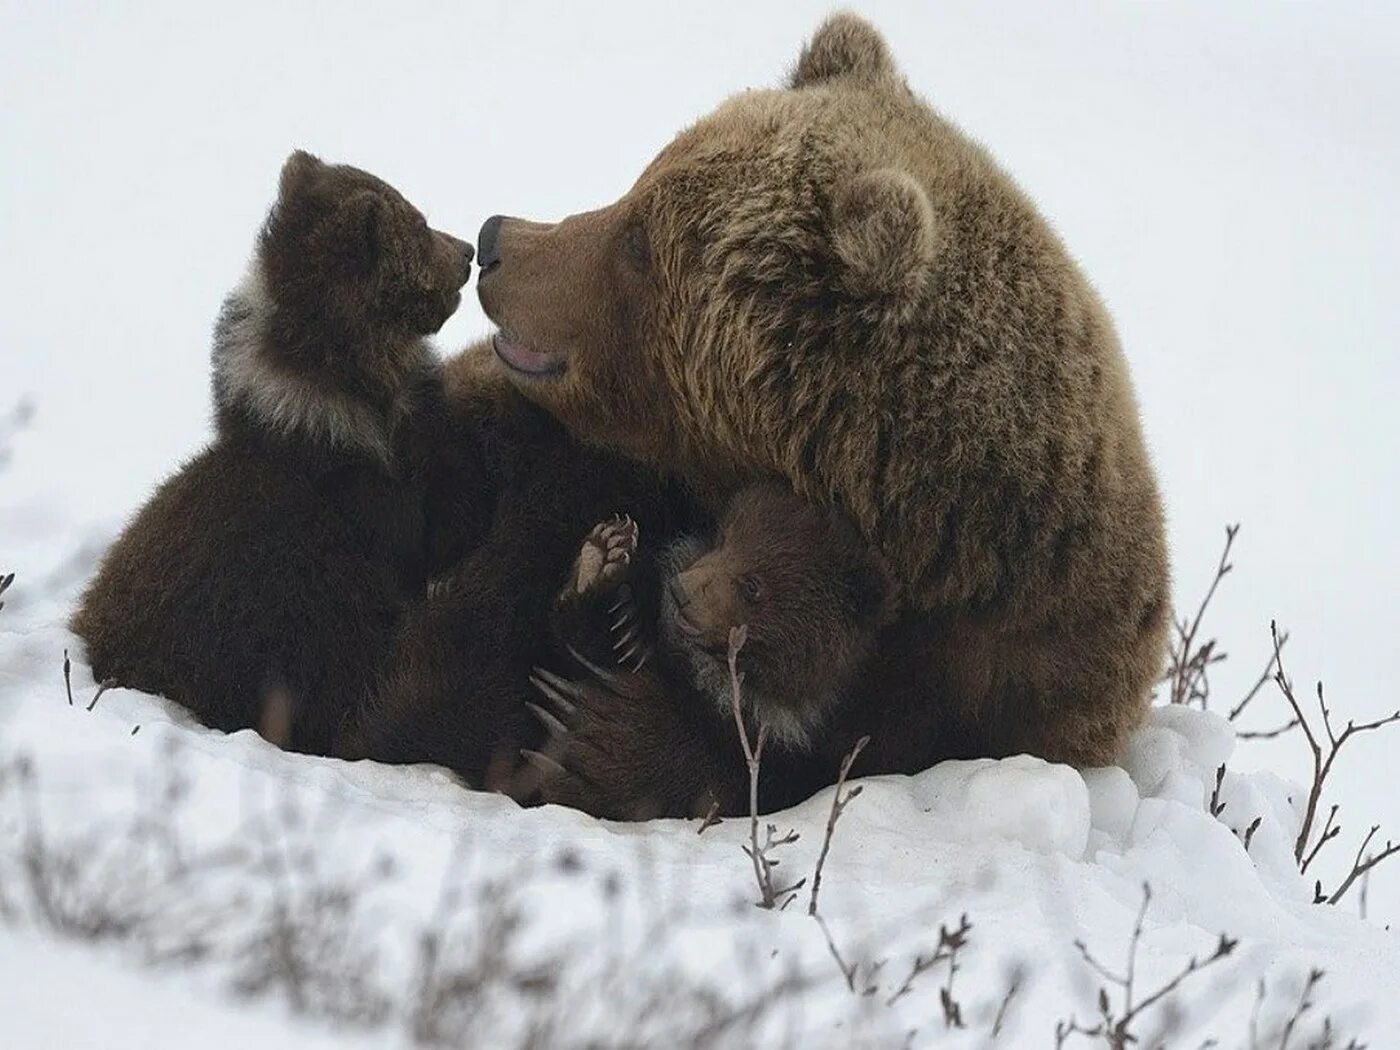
(812, 599)
(260, 585)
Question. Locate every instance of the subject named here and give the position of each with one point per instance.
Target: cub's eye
(635, 247)
(751, 589)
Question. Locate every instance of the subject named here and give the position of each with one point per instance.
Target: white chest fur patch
(286, 402)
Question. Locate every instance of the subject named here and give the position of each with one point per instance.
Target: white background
(1225, 172)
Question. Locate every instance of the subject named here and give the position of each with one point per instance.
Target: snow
(623, 917)
(1164, 142)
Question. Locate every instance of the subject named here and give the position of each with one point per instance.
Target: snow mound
(183, 854)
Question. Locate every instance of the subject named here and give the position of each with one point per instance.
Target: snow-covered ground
(1224, 171)
(159, 878)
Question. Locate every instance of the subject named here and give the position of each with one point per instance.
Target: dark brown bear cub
(260, 585)
(813, 600)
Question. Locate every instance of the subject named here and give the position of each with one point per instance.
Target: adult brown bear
(831, 284)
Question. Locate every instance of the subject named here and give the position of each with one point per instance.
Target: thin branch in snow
(1189, 663)
(838, 806)
(1115, 1024)
(1216, 806)
(771, 895)
(1249, 831)
(949, 943)
(1324, 747)
(102, 687)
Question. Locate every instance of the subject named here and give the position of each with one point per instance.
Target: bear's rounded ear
(297, 171)
(885, 234)
(844, 45)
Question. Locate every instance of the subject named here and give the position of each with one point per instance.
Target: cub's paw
(605, 557)
(613, 746)
(577, 762)
(599, 584)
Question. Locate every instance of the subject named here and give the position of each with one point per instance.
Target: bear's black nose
(486, 254)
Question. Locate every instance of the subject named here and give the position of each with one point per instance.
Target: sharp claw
(641, 660)
(628, 636)
(622, 621)
(635, 648)
(543, 763)
(556, 690)
(556, 728)
(598, 672)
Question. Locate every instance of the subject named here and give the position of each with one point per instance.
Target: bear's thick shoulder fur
(830, 283)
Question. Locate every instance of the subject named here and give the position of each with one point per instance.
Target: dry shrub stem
(1115, 1026)
(1189, 667)
(838, 806)
(771, 894)
(1323, 760)
(1190, 658)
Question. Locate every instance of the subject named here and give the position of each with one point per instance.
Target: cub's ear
(844, 45)
(885, 234)
(359, 226)
(866, 593)
(298, 170)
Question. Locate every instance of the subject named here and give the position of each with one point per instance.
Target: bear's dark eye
(635, 247)
(751, 588)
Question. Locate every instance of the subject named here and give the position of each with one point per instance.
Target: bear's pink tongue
(523, 359)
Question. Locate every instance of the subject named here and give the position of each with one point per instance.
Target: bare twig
(1305, 1003)
(1329, 832)
(1265, 675)
(710, 819)
(1115, 1026)
(1249, 831)
(1189, 665)
(1013, 988)
(949, 943)
(1216, 806)
(1324, 756)
(1360, 868)
(771, 895)
(838, 806)
(1191, 658)
(848, 970)
(1266, 734)
(5, 580)
(102, 687)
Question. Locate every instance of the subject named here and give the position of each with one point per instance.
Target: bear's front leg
(596, 613)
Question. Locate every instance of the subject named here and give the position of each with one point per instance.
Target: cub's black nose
(486, 254)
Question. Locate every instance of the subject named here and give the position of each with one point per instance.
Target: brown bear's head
(353, 276)
(732, 295)
(805, 585)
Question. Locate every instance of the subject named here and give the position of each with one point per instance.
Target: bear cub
(260, 585)
(803, 583)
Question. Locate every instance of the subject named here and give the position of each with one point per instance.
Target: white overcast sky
(1226, 172)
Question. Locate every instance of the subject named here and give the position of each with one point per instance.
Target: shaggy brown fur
(830, 283)
(812, 599)
(261, 584)
(455, 689)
